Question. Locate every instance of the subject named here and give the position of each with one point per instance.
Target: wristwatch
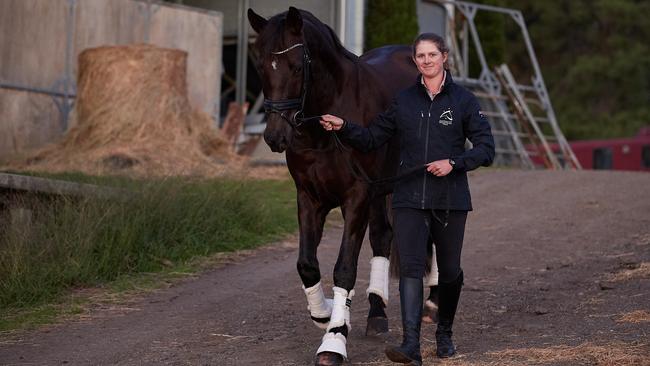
(452, 163)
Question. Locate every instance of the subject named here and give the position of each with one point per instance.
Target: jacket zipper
(426, 153)
(420, 126)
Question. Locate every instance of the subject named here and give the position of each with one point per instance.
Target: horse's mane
(317, 34)
(326, 29)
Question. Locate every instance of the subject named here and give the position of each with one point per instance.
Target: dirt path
(557, 264)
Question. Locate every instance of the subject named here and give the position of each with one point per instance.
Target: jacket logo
(446, 118)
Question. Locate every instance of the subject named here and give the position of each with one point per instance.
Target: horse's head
(281, 61)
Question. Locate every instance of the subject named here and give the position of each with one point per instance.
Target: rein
(361, 175)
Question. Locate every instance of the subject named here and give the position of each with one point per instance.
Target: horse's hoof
(376, 326)
(328, 359)
(429, 318)
(430, 312)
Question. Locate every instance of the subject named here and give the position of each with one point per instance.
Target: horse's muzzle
(277, 144)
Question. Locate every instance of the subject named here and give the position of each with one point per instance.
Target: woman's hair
(436, 39)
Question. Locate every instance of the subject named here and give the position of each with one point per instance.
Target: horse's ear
(294, 21)
(257, 21)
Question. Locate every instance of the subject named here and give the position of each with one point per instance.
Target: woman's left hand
(439, 168)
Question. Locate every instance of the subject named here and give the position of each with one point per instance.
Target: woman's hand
(439, 168)
(331, 123)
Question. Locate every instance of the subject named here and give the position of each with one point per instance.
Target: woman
(432, 119)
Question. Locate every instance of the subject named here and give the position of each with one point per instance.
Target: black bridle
(281, 106)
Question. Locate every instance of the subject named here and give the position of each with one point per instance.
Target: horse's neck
(339, 88)
(311, 137)
(337, 91)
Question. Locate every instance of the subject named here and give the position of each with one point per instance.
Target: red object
(631, 153)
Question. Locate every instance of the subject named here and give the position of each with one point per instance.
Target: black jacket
(429, 131)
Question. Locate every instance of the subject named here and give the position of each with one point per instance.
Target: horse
(306, 72)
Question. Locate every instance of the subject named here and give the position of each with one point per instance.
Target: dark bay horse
(306, 72)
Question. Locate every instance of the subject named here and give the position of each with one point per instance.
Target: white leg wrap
(379, 278)
(317, 304)
(432, 278)
(341, 308)
(335, 342)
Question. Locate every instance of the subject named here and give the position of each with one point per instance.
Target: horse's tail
(394, 259)
(394, 255)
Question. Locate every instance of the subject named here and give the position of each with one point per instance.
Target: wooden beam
(30, 184)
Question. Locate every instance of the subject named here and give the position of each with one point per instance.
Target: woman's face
(429, 59)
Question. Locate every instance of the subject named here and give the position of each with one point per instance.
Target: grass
(166, 226)
(38, 315)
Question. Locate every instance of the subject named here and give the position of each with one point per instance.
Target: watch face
(452, 162)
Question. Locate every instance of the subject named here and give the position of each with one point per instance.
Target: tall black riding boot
(410, 296)
(448, 293)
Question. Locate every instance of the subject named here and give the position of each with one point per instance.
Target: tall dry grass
(65, 243)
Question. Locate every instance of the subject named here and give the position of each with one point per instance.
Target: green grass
(165, 226)
(37, 315)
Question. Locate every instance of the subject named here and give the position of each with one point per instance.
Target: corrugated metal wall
(41, 39)
(323, 10)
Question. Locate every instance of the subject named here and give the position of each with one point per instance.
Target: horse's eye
(297, 70)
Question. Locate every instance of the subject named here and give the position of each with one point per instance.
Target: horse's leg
(430, 311)
(381, 234)
(333, 348)
(311, 218)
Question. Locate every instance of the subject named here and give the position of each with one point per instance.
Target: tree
(595, 59)
(390, 22)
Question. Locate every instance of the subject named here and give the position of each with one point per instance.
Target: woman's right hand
(331, 123)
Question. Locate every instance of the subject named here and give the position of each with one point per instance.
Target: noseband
(282, 105)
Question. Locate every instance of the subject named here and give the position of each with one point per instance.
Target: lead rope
(360, 174)
(433, 211)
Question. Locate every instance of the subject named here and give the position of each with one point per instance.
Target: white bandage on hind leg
(379, 278)
(335, 342)
(430, 281)
(318, 306)
(432, 278)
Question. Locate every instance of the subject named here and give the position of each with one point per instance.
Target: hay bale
(132, 115)
(234, 122)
